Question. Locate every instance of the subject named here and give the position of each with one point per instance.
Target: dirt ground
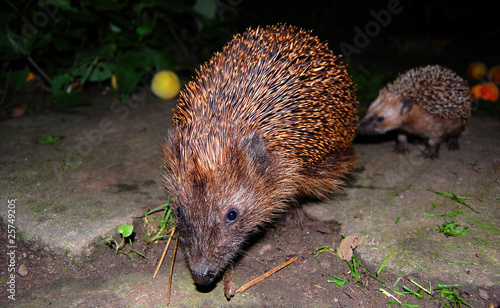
(102, 278)
(304, 283)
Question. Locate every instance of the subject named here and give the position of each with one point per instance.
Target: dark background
(452, 32)
(183, 35)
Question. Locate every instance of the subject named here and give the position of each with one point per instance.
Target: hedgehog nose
(202, 274)
(361, 127)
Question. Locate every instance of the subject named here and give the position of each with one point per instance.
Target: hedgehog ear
(406, 105)
(254, 147)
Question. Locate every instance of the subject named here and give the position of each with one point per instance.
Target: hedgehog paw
(430, 152)
(401, 144)
(400, 149)
(452, 143)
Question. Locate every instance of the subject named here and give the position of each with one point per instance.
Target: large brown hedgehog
(430, 101)
(266, 120)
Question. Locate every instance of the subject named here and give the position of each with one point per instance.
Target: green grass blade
(384, 262)
(455, 198)
(422, 288)
(483, 224)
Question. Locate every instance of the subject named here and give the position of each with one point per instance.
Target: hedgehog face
(384, 114)
(219, 196)
(211, 230)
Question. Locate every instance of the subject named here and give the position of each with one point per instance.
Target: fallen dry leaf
(346, 247)
(18, 112)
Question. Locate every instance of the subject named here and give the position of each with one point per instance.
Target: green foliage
(452, 229)
(158, 228)
(70, 44)
(370, 83)
(454, 197)
(483, 224)
(337, 281)
(448, 292)
(355, 271)
(453, 213)
(125, 231)
(320, 250)
(485, 107)
(384, 263)
(48, 139)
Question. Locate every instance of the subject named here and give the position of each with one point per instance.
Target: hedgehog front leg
(452, 143)
(401, 144)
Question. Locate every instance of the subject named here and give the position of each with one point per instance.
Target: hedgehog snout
(366, 126)
(202, 274)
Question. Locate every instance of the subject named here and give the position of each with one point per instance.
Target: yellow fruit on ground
(114, 84)
(476, 70)
(165, 84)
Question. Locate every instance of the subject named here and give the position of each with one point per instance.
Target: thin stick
(172, 270)
(164, 253)
(265, 275)
(39, 69)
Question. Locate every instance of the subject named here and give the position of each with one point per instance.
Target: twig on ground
(265, 275)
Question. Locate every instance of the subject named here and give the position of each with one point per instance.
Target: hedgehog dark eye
(180, 212)
(231, 215)
(380, 119)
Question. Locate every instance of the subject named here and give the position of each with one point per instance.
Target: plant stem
(39, 69)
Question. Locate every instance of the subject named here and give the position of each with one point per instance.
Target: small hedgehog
(267, 120)
(431, 102)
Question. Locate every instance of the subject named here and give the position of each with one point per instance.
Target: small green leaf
(60, 83)
(100, 72)
(129, 69)
(144, 29)
(126, 230)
